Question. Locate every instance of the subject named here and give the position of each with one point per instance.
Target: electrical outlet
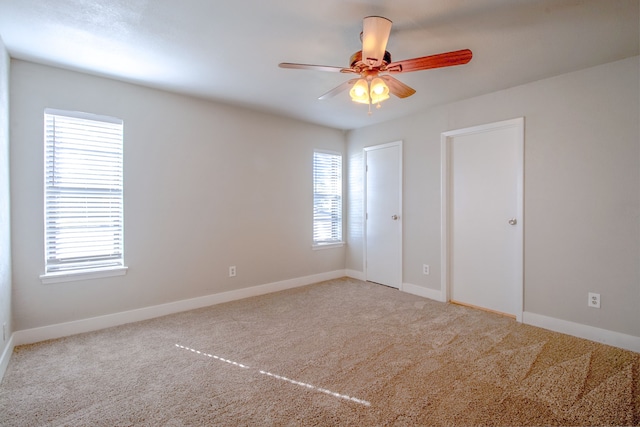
(425, 268)
(594, 300)
(232, 271)
(4, 331)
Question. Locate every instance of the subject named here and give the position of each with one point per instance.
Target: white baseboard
(6, 355)
(434, 294)
(355, 274)
(60, 330)
(603, 336)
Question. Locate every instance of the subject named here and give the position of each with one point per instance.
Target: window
(327, 198)
(83, 194)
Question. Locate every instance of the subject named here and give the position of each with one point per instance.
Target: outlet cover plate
(594, 300)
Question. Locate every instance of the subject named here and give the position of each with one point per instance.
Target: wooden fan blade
(333, 92)
(375, 35)
(398, 88)
(447, 59)
(316, 67)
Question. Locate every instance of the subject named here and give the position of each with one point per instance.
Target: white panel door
(383, 262)
(485, 217)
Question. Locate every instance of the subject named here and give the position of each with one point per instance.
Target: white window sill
(71, 276)
(321, 246)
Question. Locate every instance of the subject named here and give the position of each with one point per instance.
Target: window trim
(71, 276)
(321, 246)
(89, 271)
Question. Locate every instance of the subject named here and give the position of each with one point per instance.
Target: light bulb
(359, 91)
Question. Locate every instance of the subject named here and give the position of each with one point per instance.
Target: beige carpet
(342, 352)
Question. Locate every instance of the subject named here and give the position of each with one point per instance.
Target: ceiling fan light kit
(369, 91)
(373, 64)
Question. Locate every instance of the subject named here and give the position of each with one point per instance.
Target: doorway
(482, 216)
(383, 214)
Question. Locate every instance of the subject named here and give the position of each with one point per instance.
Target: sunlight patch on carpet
(230, 362)
(279, 377)
(312, 387)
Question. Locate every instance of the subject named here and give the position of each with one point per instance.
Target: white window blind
(83, 192)
(327, 198)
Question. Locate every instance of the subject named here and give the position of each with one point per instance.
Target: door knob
(513, 221)
(394, 217)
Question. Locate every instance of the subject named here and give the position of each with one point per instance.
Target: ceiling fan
(373, 64)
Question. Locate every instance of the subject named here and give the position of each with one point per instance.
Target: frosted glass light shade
(360, 92)
(379, 90)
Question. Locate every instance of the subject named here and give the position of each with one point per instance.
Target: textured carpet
(342, 352)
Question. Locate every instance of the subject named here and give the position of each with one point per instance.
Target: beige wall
(206, 186)
(5, 225)
(582, 189)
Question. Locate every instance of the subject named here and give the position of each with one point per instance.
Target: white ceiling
(229, 51)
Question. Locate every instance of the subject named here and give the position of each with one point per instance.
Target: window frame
(337, 242)
(113, 266)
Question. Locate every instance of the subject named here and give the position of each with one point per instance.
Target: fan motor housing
(356, 60)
